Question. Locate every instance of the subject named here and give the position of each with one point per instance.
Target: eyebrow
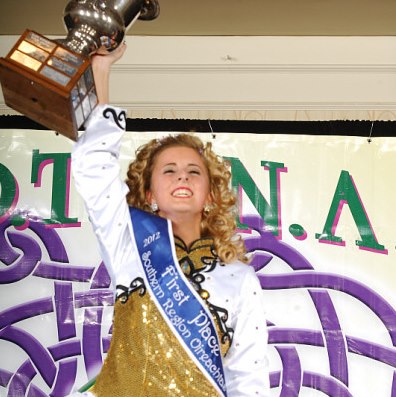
(188, 165)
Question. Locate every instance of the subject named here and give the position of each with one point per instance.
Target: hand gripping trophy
(51, 81)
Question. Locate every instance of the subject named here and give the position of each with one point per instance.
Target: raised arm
(96, 174)
(101, 65)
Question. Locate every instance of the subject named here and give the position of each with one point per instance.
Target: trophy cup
(51, 81)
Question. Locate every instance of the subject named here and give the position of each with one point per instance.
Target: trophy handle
(135, 9)
(150, 10)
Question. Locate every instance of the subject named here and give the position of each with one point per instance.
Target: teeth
(182, 193)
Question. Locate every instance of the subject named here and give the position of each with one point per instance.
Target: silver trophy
(51, 81)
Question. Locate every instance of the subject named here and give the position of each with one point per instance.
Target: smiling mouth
(182, 192)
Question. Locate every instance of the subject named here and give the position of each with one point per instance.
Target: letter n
(270, 212)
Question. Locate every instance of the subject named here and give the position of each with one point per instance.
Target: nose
(183, 176)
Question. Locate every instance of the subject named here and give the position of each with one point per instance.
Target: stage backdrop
(318, 215)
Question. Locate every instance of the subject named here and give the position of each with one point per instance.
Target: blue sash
(178, 302)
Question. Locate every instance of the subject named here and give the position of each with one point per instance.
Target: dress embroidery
(136, 285)
(196, 261)
(119, 119)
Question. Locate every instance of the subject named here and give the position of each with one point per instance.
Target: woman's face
(179, 183)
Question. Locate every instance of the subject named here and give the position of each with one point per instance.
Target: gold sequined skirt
(145, 359)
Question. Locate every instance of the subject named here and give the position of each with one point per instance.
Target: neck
(188, 229)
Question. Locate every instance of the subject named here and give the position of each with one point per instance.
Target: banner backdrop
(317, 213)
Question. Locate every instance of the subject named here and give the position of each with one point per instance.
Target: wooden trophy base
(48, 83)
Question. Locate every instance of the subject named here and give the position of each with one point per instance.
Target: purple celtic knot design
(56, 365)
(292, 378)
(39, 252)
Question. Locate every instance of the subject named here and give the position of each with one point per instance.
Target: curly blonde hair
(219, 222)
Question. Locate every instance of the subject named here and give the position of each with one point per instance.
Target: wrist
(101, 78)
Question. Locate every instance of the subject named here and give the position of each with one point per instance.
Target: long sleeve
(96, 172)
(246, 363)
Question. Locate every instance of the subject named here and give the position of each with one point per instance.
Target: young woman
(188, 316)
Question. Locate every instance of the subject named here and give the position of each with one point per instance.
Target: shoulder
(235, 277)
(237, 269)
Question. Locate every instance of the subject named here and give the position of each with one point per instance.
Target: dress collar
(200, 254)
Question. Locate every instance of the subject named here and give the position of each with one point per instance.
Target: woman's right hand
(104, 59)
(101, 64)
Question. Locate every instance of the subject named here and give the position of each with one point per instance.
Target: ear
(208, 204)
(209, 199)
(149, 196)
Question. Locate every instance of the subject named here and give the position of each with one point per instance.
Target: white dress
(233, 287)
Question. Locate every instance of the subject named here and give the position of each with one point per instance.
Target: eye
(195, 172)
(169, 171)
